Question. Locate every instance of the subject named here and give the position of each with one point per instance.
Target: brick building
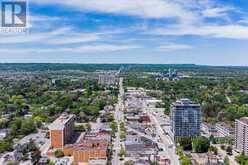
(86, 150)
(61, 131)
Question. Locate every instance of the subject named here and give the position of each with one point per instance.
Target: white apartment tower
(241, 135)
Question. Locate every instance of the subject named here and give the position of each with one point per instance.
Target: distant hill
(23, 67)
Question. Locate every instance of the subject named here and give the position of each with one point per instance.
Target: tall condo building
(185, 119)
(241, 135)
(61, 131)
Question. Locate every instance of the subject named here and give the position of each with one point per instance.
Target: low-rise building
(162, 159)
(14, 156)
(223, 130)
(98, 136)
(205, 159)
(137, 146)
(86, 150)
(64, 161)
(208, 129)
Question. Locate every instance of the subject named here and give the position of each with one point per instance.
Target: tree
(123, 135)
(226, 161)
(122, 151)
(27, 127)
(213, 149)
(186, 143)
(79, 128)
(229, 150)
(51, 163)
(88, 127)
(185, 160)
(114, 126)
(15, 125)
(12, 163)
(212, 139)
(241, 159)
(36, 154)
(200, 144)
(5, 145)
(58, 153)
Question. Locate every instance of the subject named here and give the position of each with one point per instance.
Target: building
(86, 150)
(98, 162)
(205, 159)
(185, 119)
(162, 158)
(4, 133)
(241, 135)
(14, 156)
(109, 78)
(61, 131)
(223, 130)
(208, 129)
(43, 161)
(98, 136)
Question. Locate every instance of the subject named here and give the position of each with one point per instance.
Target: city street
(167, 143)
(118, 118)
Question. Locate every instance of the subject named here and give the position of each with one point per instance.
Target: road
(144, 135)
(118, 118)
(166, 140)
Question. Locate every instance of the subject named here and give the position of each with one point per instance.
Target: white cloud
(173, 47)
(243, 21)
(142, 8)
(61, 36)
(96, 48)
(74, 39)
(216, 12)
(43, 18)
(213, 31)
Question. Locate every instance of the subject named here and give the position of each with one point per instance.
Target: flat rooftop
(184, 102)
(244, 120)
(60, 122)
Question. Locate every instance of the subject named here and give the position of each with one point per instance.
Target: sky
(205, 32)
